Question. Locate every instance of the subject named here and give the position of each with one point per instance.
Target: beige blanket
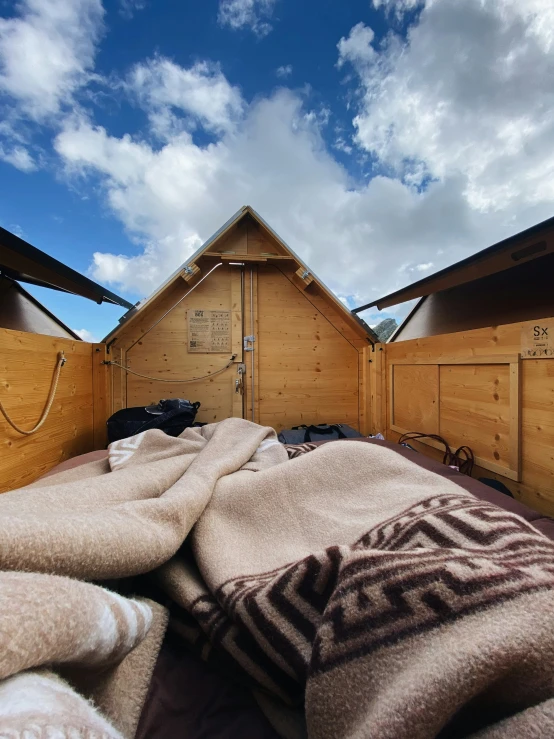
(390, 599)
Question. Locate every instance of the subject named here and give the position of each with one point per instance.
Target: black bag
(170, 416)
(321, 432)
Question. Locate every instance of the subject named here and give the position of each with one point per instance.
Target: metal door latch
(249, 340)
(239, 386)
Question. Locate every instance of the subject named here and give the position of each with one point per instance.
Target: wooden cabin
(31, 339)
(269, 341)
(474, 363)
(248, 330)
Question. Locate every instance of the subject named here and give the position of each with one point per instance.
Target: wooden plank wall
(308, 370)
(27, 363)
(162, 353)
(477, 402)
(310, 365)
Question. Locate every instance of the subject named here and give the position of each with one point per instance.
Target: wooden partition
(474, 388)
(76, 423)
(294, 355)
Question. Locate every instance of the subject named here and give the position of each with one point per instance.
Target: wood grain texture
(101, 395)
(475, 391)
(475, 409)
(162, 352)
(308, 371)
(415, 398)
(27, 362)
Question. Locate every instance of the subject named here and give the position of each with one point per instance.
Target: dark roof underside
(25, 263)
(533, 243)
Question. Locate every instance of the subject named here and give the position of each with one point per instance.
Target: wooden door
(164, 353)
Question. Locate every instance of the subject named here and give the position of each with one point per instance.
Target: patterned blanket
(387, 600)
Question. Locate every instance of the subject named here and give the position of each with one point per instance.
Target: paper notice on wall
(537, 339)
(209, 331)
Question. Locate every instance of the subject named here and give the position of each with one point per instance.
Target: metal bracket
(248, 340)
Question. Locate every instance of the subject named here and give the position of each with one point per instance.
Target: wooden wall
(27, 363)
(472, 388)
(310, 360)
(308, 369)
(162, 352)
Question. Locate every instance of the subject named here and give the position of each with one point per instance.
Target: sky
(382, 139)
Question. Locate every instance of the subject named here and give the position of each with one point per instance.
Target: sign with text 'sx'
(537, 339)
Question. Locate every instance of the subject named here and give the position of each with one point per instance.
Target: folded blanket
(389, 600)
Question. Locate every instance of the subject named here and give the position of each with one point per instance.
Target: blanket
(384, 598)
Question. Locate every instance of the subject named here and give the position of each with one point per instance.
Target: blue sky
(382, 139)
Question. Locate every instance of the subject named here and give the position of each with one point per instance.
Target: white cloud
(86, 335)
(127, 8)
(253, 14)
(176, 97)
(363, 240)
(284, 71)
(399, 6)
(47, 53)
(468, 95)
(19, 157)
(357, 48)
(457, 120)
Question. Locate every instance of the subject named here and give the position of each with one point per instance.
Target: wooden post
(236, 342)
(364, 391)
(101, 395)
(378, 390)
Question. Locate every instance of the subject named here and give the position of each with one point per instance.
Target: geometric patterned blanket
(449, 579)
(385, 599)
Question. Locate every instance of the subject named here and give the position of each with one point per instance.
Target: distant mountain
(385, 329)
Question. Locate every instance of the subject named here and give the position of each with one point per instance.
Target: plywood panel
(27, 362)
(415, 398)
(162, 352)
(101, 394)
(538, 425)
(536, 484)
(308, 372)
(475, 409)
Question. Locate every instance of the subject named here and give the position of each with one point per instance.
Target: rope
(175, 382)
(52, 394)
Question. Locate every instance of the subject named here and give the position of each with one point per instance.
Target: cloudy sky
(382, 139)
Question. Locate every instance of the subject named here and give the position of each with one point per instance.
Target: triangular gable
(226, 244)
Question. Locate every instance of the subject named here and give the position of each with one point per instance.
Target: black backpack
(321, 432)
(170, 416)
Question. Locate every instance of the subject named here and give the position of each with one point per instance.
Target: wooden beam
(303, 278)
(101, 395)
(236, 342)
(237, 257)
(191, 274)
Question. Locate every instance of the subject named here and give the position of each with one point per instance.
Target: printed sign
(209, 331)
(537, 340)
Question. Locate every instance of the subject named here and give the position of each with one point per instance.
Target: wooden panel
(101, 395)
(236, 340)
(475, 409)
(415, 397)
(308, 371)
(162, 353)
(364, 411)
(27, 362)
(538, 428)
(536, 484)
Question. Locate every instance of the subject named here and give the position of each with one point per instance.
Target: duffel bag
(170, 416)
(321, 432)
